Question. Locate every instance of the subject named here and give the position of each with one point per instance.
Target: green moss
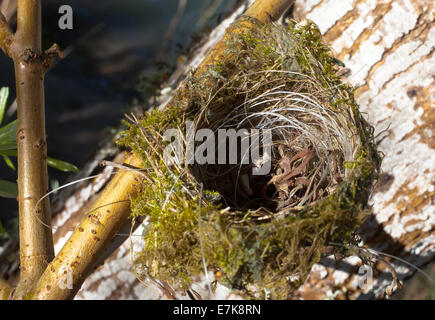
(273, 254)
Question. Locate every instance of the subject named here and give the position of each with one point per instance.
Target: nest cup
(273, 101)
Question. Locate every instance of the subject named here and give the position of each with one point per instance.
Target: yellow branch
(36, 240)
(5, 290)
(77, 258)
(66, 273)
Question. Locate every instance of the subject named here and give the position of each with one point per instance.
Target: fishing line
(103, 163)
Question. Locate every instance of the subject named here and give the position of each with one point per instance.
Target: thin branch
(36, 241)
(50, 55)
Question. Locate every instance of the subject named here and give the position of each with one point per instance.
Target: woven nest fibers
(282, 164)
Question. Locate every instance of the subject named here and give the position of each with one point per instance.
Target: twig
(123, 167)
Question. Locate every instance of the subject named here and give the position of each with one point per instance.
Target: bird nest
(269, 161)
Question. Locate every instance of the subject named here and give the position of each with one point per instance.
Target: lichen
(256, 245)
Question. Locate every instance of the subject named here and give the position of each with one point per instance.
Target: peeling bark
(388, 47)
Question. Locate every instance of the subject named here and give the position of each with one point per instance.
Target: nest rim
(344, 206)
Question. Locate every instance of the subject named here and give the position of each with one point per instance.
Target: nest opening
(289, 151)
